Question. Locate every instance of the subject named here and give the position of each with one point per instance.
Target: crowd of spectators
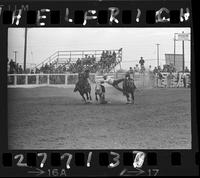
(14, 67)
(86, 62)
(166, 68)
(104, 64)
(157, 73)
(50, 69)
(170, 70)
(107, 59)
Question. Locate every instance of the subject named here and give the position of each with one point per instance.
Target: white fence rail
(146, 80)
(20, 80)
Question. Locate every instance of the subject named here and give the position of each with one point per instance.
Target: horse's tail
(76, 87)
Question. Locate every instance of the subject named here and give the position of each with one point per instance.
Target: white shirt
(109, 80)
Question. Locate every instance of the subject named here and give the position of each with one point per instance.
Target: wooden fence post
(15, 80)
(37, 79)
(26, 79)
(48, 79)
(66, 80)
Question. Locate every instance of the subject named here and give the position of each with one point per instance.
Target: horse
(83, 87)
(129, 88)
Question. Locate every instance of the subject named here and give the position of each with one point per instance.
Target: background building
(178, 62)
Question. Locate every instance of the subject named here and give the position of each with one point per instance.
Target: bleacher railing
(63, 57)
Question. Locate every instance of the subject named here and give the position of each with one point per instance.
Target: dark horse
(129, 88)
(83, 87)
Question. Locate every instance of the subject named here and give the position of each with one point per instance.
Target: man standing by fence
(170, 77)
(159, 78)
(179, 78)
(141, 63)
(131, 72)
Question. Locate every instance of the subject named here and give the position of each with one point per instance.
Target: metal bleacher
(61, 59)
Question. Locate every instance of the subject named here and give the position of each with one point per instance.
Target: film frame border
(177, 160)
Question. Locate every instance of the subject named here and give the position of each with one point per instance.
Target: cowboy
(132, 72)
(170, 77)
(128, 77)
(111, 81)
(141, 62)
(102, 99)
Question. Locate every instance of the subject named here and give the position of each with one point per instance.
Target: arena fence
(142, 80)
(177, 80)
(25, 80)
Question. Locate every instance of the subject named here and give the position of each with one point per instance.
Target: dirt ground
(57, 118)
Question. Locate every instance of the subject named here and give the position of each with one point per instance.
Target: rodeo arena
(83, 99)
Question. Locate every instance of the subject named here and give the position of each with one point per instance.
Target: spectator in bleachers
(141, 62)
(64, 69)
(149, 69)
(155, 71)
(165, 69)
(159, 69)
(170, 77)
(12, 67)
(20, 71)
(131, 72)
(159, 77)
(168, 68)
(107, 60)
(16, 68)
(93, 59)
(37, 71)
(186, 70)
(179, 78)
(184, 77)
(171, 68)
(137, 68)
(103, 54)
(78, 61)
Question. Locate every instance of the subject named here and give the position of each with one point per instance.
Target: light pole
(157, 54)
(15, 52)
(183, 53)
(175, 49)
(25, 48)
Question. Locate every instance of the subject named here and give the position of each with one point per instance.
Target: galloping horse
(83, 87)
(129, 88)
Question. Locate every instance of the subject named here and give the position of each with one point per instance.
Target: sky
(136, 42)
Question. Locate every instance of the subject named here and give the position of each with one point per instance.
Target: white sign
(183, 37)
